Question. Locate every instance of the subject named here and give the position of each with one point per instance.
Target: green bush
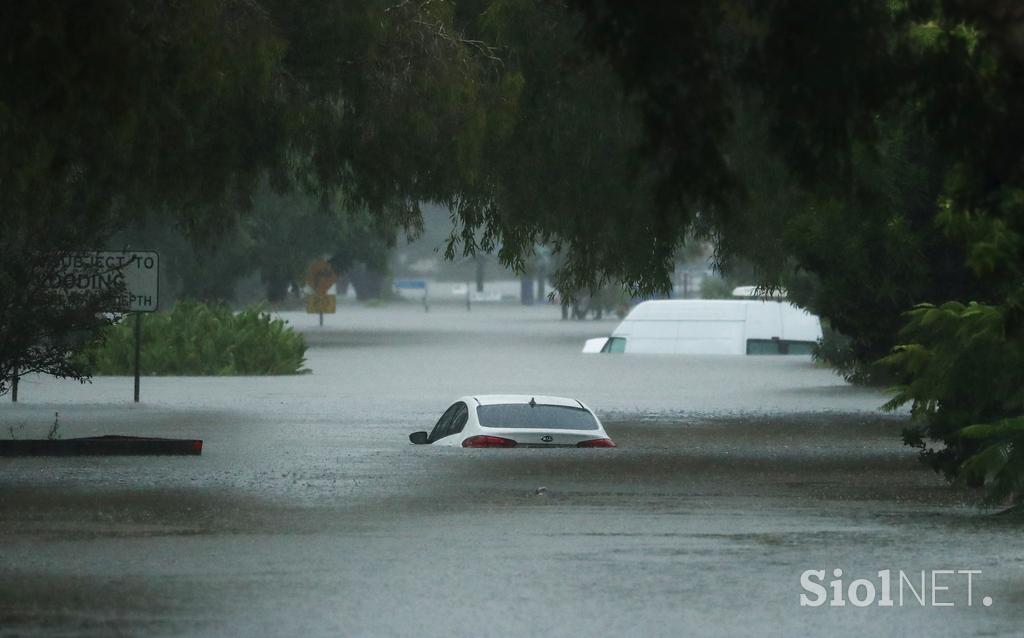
(961, 369)
(196, 339)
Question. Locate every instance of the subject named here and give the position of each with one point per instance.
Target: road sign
(323, 304)
(321, 276)
(411, 284)
(134, 274)
(93, 271)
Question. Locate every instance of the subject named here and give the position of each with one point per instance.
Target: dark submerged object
(110, 445)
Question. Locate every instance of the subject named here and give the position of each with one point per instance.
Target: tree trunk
(526, 290)
(480, 273)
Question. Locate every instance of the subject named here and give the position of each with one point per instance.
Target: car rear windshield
(522, 415)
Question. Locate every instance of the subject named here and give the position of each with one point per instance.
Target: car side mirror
(419, 438)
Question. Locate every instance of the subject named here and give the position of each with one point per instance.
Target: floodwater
(309, 513)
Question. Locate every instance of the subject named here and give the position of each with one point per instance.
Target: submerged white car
(516, 420)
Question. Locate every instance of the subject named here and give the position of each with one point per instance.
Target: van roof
(693, 309)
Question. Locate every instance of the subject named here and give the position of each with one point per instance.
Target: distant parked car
(511, 420)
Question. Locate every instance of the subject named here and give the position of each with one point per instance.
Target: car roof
(499, 399)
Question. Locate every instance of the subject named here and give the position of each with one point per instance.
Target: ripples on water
(310, 512)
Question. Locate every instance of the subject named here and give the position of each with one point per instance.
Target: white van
(704, 326)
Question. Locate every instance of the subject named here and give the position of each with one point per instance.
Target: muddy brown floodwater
(310, 514)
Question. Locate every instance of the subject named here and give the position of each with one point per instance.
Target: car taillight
(488, 441)
(596, 443)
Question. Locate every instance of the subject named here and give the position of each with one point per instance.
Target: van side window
(615, 345)
(801, 347)
(779, 346)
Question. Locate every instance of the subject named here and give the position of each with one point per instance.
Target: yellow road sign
(321, 303)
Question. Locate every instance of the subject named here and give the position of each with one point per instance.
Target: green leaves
(1000, 463)
(196, 339)
(962, 372)
(559, 162)
(1006, 428)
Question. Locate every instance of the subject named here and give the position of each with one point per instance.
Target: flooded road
(310, 513)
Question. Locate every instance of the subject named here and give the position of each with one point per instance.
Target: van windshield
(544, 417)
(615, 344)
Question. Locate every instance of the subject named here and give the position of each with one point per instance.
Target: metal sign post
(138, 351)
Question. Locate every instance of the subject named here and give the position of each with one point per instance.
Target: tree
(560, 161)
(275, 240)
(180, 111)
(58, 323)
